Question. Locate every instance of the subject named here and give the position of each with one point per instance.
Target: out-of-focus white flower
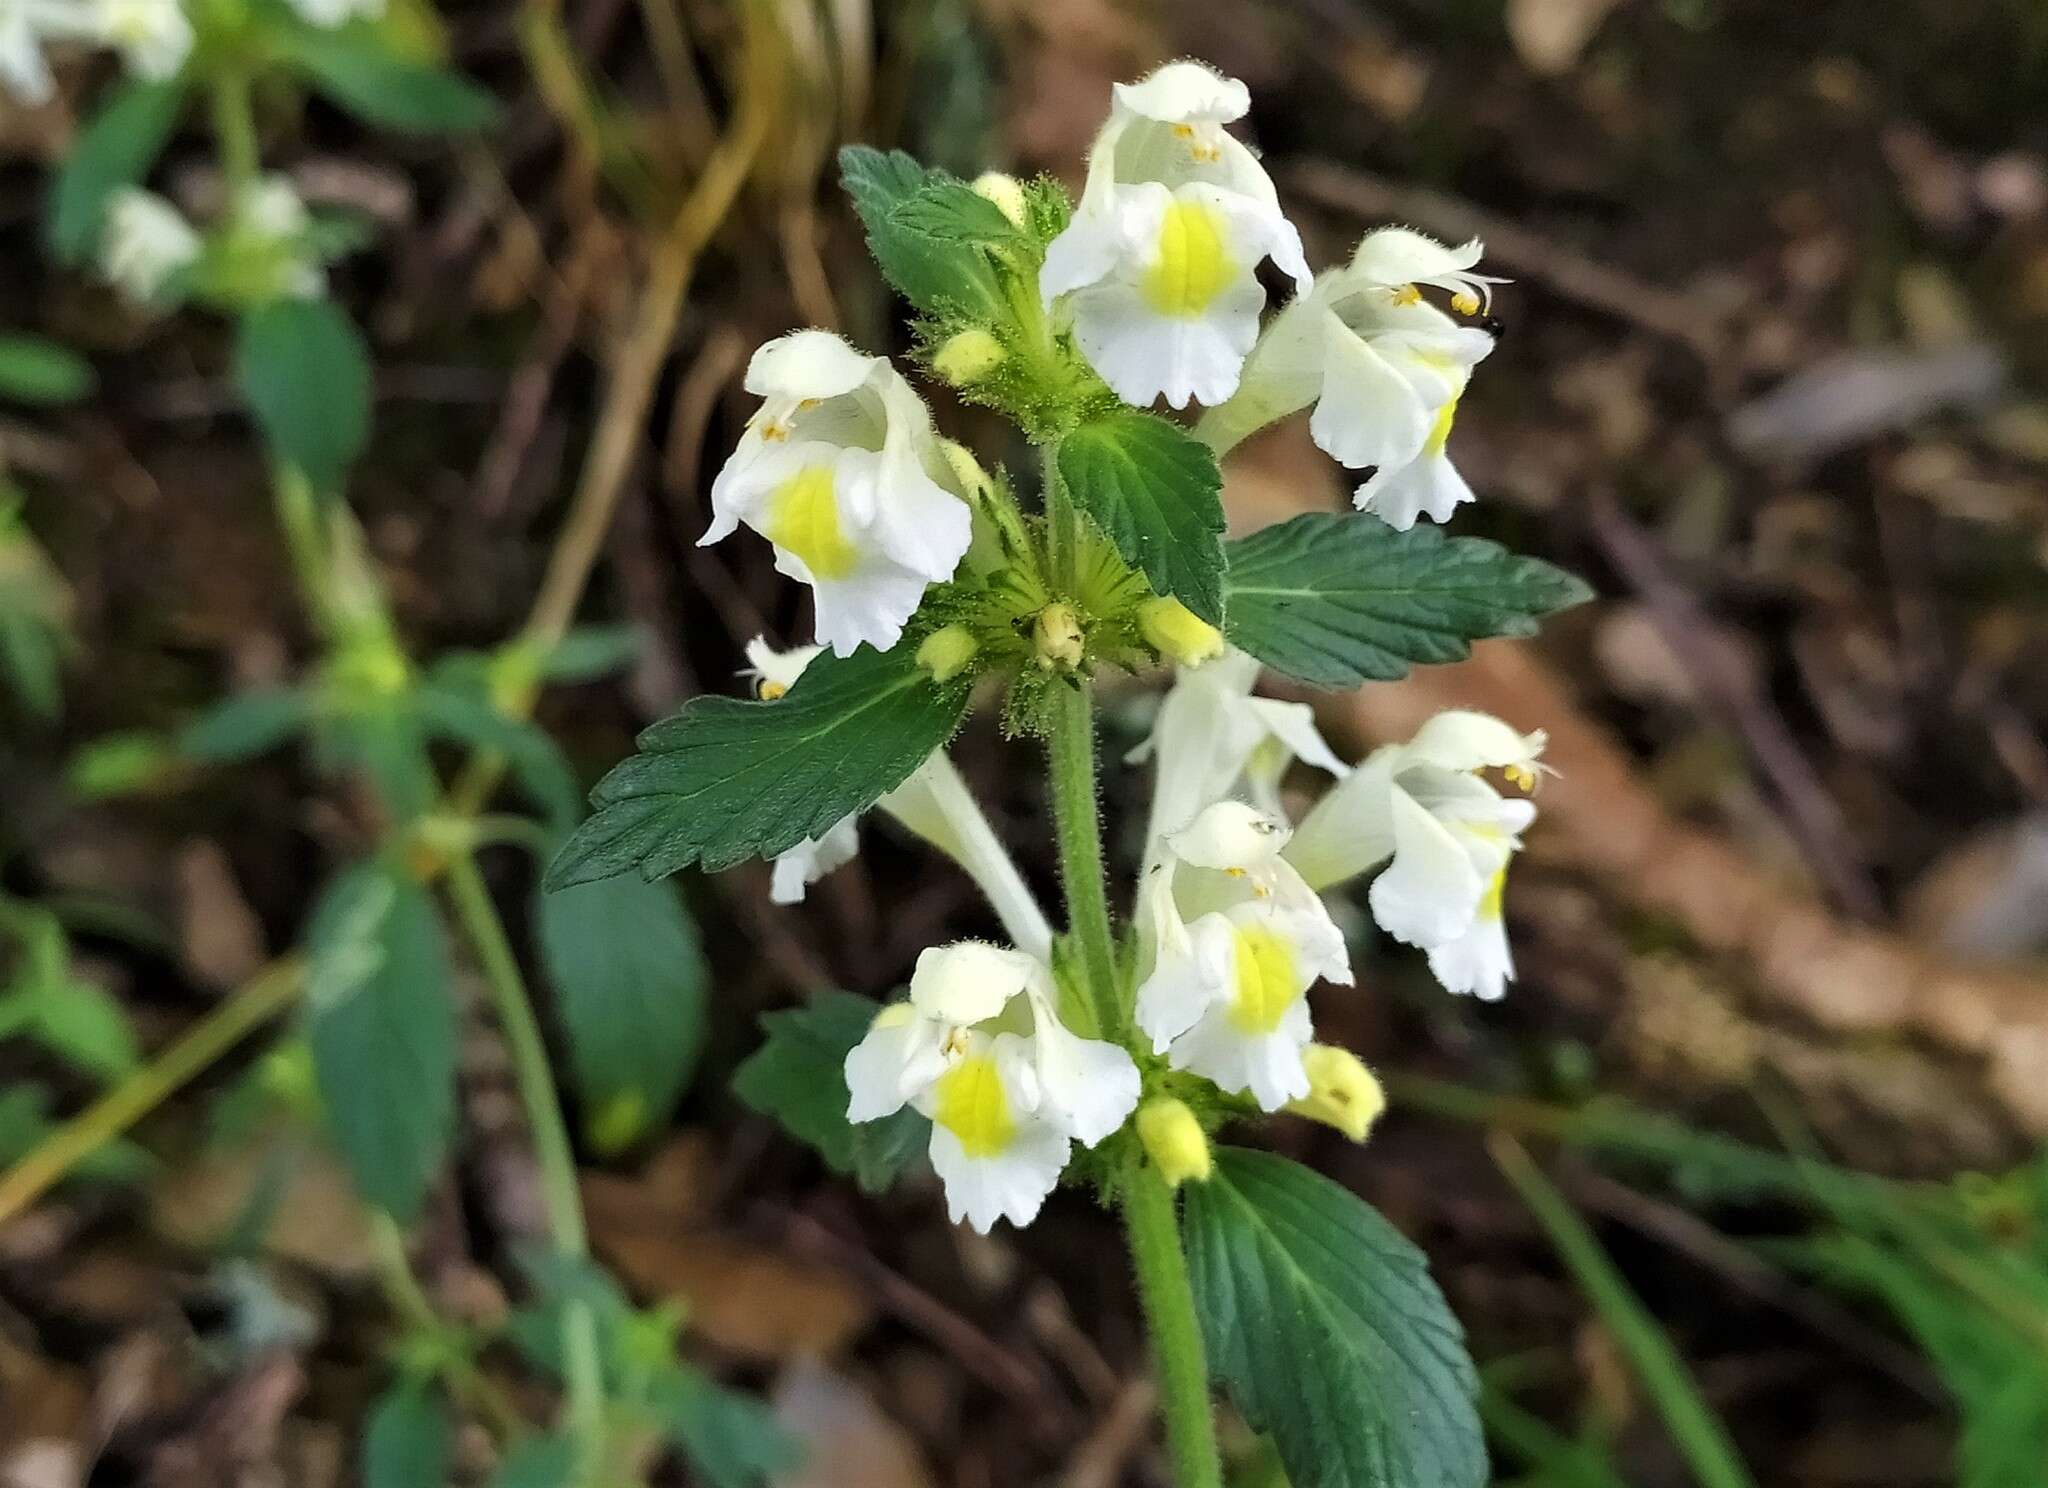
(1383, 368)
(331, 13)
(1235, 939)
(1158, 265)
(153, 37)
(25, 25)
(934, 804)
(1445, 834)
(271, 209)
(146, 241)
(1212, 734)
(1005, 1106)
(841, 471)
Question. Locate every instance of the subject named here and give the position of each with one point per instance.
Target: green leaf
(940, 274)
(303, 369)
(117, 149)
(471, 718)
(408, 1439)
(382, 1032)
(592, 651)
(85, 1024)
(38, 371)
(245, 726)
(725, 779)
(538, 1462)
(1155, 489)
(354, 69)
(1324, 1324)
(25, 1121)
(630, 981)
(386, 743)
(1339, 599)
(730, 1439)
(799, 1077)
(951, 211)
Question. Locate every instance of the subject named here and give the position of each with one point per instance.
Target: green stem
(471, 898)
(234, 125)
(1071, 757)
(298, 518)
(1169, 1302)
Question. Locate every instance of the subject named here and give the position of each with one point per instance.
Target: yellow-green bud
(1342, 1091)
(617, 1123)
(968, 356)
(1004, 192)
(1177, 632)
(946, 652)
(1174, 1140)
(1058, 638)
(974, 481)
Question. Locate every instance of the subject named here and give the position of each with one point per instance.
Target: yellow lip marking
(1267, 980)
(803, 517)
(1193, 267)
(972, 1105)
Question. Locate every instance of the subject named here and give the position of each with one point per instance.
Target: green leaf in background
(939, 274)
(798, 1076)
(386, 742)
(117, 149)
(538, 1462)
(630, 981)
(382, 1029)
(354, 68)
(303, 369)
(1338, 599)
(471, 718)
(592, 651)
(1155, 489)
(1325, 1325)
(727, 779)
(42, 372)
(25, 1122)
(408, 1440)
(84, 1024)
(730, 1439)
(245, 725)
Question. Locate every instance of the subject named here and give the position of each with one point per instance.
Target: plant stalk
(1070, 752)
(1153, 1230)
(471, 899)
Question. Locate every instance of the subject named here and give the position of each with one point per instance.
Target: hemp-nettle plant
(1108, 1056)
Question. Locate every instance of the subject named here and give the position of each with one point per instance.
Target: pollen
(768, 692)
(803, 518)
(1465, 302)
(1267, 982)
(1407, 294)
(972, 1105)
(774, 432)
(1193, 265)
(1521, 777)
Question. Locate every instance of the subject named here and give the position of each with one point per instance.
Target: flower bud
(1057, 637)
(1342, 1091)
(1004, 192)
(974, 481)
(946, 652)
(968, 357)
(1177, 632)
(1174, 1140)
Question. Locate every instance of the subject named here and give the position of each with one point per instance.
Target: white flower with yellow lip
(1445, 834)
(842, 472)
(1158, 266)
(934, 804)
(328, 14)
(146, 241)
(1211, 734)
(1004, 1105)
(1236, 938)
(25, 25)
(152, 36)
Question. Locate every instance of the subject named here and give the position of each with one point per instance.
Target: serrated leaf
(1155, 489)
(954, 212)
(630, 980)
(303, 370)
(1323, 1322)
(117, 149)
(937, 274)
(381, 1026)
(798, 1076)
(353, 67)
(725, 779)
(1338, 599)
(42, 372)
(246, 725)
(730, 1439)
(408, 1439)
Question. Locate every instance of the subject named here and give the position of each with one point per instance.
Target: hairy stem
(471, 898)
(1153, 1231)
(1078, 824)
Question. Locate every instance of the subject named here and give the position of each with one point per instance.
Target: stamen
(1407, 294)
(1465, 302)
(1521, 777)
(768, 692)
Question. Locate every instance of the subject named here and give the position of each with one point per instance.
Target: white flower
(1004, 1106)
(328, 14)
(24, 26)
(146, 241)
(152, 36)
(1236, 939)
(1158, 264)
(841, 471)
(270, 209)
(934, 804)
(1211, 733)
(1445, 834)
(1399, 258)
